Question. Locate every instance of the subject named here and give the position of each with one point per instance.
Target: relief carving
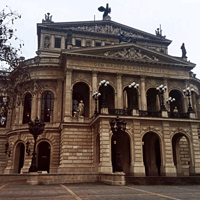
(108, 29)
(152, 83)
(131, 54)
(78, 77)
(172, 84)
(127, 80)
(111, 79)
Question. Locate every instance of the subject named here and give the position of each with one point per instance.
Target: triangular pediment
(103, 28)
(130, 52)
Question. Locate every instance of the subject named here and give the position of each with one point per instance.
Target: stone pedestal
(135, 112)
(164, 113)
(169, 170)
(192, 115)
(32, 178)
(81, 119)
(104, 110)
(138, 169)
(117, 178)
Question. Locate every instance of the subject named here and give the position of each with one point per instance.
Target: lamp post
(188, 92)
(170, 100)
(161, 90)
(134, 85)
(104, 84)
(35, 128)
(95, 96)
(118, 126)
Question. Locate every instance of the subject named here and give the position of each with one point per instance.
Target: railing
(145, 113)
(126, 112)
(178, 115)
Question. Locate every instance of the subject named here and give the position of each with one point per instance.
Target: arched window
(27, 108)
(47, 107)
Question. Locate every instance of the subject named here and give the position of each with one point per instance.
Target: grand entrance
(123, 151)
(151, 154)
(19, 158)
(181, 154)
(43, 156)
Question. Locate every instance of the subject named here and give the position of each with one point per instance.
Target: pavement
(97, 191)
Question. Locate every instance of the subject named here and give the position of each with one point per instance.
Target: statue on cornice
(106, 11)
(48, 18)
(183, 51)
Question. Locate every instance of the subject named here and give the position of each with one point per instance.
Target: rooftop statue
(48, 18)
(183, 51)
(106, 11)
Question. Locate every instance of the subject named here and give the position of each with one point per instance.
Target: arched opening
(47, 107)
(153, 103)
(179, 101)
(19, 157)
(44, 150)
(130, 98)
(181, 154)
(109, 97)
(81, 94)
(123, 149)
(4, 100)
(27, 108)
(151, 154)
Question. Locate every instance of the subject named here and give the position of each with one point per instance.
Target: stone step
(163, 180)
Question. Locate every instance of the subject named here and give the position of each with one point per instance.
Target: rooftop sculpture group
(106, 11)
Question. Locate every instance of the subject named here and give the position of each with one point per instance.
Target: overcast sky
(179, 19)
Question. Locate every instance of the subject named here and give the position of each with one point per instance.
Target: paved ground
(97, 191)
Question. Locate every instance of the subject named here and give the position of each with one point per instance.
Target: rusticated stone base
(117, 178)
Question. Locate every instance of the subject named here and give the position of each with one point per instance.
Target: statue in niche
(47, 42)
(80, 108)
(183, 51)
(105, 10)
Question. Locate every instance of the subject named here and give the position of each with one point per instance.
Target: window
(27, 108)
(65, 43)
(78, 43)
(98, 44)
(57, 42)
(47, 107)
(107, 44)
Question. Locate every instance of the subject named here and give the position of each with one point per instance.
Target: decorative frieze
(81, 76)
(108, 29)
(131, 54)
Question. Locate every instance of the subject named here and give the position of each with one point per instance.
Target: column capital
(95, 72)
(119, 75)
(68, 70)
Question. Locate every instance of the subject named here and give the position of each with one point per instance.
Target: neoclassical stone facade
(73, 58)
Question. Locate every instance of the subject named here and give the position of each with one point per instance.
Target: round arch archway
(179, 101)
(19, 157)
(43, 156)
(153, 103)
(130, 98)
(181, 154)
(81, 92)
(152, 154)
(124, 150)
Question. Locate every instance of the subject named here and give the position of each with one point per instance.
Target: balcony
(145, 113)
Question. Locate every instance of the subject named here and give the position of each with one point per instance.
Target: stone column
(34, 107)
(143, 94)
(166, 94)
(62, 42)
(94, 89)
(119, 92)
(105, 165)
(21, 109)
(92, 43)
(73, 41)
(194, 150)
(68, 96)
(52, 42)
(41, 41)
(167, 165)
(83, 43)
(59, 100)
(103, 43)
(137, 164)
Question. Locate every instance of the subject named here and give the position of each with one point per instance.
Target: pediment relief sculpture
(131, 54)
(108, 29)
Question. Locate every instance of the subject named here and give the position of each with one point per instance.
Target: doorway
(43, 156)
(19, 157)
(151, 154)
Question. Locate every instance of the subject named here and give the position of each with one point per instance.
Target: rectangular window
(98, 44)
(65, 43)
(78, 43)
(57, 42)
(107, 44)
